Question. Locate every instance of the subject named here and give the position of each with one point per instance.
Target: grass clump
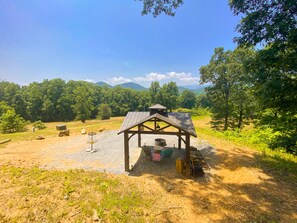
(73, 195)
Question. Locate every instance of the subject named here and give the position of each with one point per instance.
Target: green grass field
(74, 196)
(253, 139)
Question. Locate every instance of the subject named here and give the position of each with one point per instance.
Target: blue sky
(109, 40)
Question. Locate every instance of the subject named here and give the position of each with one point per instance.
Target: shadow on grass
(240, 187)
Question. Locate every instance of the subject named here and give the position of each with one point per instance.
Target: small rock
(39, 137)
(66, 197)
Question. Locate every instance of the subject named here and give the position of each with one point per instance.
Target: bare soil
(238, 188)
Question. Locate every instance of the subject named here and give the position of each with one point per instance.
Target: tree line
(248, 82)
(57, 100)
(243, 90)
(268, 74)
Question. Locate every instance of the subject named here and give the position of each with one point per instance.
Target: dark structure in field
(136, 123)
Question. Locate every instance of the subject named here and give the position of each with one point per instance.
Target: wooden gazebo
(173, 123)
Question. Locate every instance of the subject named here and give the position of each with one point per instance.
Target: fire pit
(160, 142)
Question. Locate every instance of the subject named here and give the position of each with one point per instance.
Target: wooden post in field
(126, 148)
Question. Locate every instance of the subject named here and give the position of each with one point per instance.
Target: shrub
(12, 122)
(104, 111)
(39, 125)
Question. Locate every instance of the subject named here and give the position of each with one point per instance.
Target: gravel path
(109, 155)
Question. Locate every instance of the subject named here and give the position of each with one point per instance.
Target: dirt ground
(237, 189)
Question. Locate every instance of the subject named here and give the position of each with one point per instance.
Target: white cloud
(175, 76)
(181, 78)
(151, 77)
(118, 80)
(90, 80)
(186, 77)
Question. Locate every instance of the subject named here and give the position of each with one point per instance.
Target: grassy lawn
(252, 139)
(74, 196)
(74, 127)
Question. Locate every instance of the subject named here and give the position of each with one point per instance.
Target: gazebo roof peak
(157, 106)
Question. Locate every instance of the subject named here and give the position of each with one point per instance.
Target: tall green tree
(34, 100)
(48, 109)
(230, 86)
(219, 93)
(203, 101)
(4, 107)
(122, 100)
(144, 100)
(187, 99)
(19, 103)
(156, 7)
(170, 95)
(83, 104)
(66, 101)
(274, 25)
(104, 111)
(155, 92)
(52, 91)
(267, 21)
(8, 90)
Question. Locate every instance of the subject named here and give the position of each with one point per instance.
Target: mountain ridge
(132, 85)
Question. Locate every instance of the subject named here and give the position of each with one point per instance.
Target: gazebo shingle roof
(157, 106)
(179, 120)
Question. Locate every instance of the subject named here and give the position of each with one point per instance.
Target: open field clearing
(74, 127)
(241, 186)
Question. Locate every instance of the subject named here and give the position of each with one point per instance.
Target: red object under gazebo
(135, 123)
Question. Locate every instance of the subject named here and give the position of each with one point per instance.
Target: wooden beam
(126, 151)
(187, 160)
(156, 132)
(139, 137)
(179, 140)
(131, 136)
(183, 140)
(147, 127)
(165, 127)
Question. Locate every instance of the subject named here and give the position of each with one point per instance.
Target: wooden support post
(139, 137)
(187, 160)
(179, 140)
(126, 148)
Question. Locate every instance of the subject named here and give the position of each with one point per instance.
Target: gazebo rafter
(181, 122)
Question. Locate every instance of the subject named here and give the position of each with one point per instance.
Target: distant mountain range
(133, 86)
(103, 84)
(195, 88)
